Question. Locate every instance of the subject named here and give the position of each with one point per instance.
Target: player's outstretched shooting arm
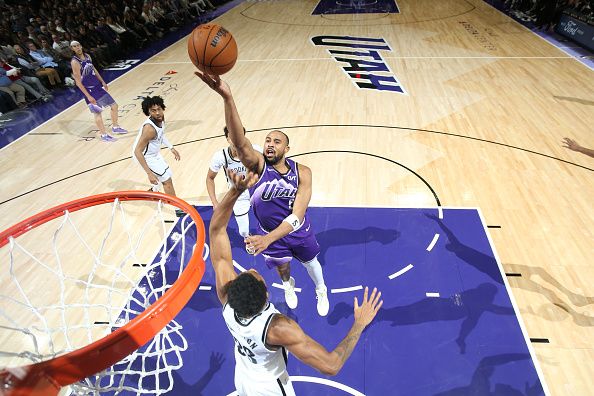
(220, 247)
(286, 332)
(252, 160)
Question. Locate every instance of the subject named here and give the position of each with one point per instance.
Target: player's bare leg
(284, 270)
(115, 126)
(169, 190)
(103, 136)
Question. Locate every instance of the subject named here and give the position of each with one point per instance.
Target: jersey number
(291, 201)
(247, 352)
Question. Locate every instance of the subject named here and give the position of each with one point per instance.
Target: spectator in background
(133, 22)
(34, 67)
(59, 27)
(47, 61)
(95, 47)
(574, 146)
(61, 46)
(16, 92)
(25, 81)
(44, 32)
(129, 40)
(109, 36)
(6, 103)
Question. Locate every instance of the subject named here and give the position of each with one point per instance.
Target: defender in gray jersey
(279, 201)
(147, 146)
(263, 335)
(227, 158)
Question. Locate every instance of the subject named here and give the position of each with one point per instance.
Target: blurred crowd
(35, 38)
(545, 14)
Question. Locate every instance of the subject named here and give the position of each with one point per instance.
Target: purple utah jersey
(272, 199)
(91, 82)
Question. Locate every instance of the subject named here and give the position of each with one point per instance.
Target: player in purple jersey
(279, 200)
(91, 84)
(261, 333)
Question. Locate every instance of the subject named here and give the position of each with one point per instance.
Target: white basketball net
(64, 290)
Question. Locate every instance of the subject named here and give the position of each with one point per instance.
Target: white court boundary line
(322, 381)
(385, 57)
(539, 371)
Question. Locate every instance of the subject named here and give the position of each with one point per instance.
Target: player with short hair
(91, 84)
(227, 158)
(262, 334)
(147, 146)
(279, 201)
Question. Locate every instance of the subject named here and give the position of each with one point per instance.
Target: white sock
(243, 222)
(314, 269)
(287, 284)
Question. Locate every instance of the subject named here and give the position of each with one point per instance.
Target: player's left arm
(220, 246)
(259, 243)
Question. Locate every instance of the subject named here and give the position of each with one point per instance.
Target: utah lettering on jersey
(274, 190)
(363, 64)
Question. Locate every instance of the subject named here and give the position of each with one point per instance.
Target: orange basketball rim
(46, 378)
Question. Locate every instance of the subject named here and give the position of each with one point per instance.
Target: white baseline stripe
(433, 242)
(402, 271)
(346, 289)
(297, 289)
(440, 212)
(432, 294)
(205, 288)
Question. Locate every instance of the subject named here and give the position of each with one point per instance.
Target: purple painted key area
(466, 341)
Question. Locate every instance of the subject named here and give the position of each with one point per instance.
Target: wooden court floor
(485, 106)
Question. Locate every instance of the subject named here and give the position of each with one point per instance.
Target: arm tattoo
(346, 346)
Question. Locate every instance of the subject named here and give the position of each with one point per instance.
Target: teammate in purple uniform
(91, 84)
(279, 200)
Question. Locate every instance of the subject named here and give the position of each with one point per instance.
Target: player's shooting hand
(215, 83)
(242, 182)
(256, 243)
(365, 313)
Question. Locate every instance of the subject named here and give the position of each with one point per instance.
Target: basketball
(212, 49)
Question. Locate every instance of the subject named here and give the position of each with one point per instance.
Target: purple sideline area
(17, 123)
(465, 341)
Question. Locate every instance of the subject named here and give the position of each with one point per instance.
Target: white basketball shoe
(290, 295)
(323, 303)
